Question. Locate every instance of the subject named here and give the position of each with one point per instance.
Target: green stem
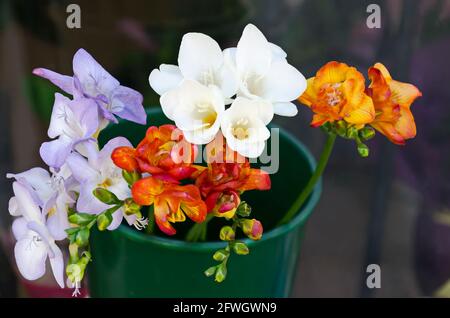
(151, 220)
(199, 230)
(326, 152)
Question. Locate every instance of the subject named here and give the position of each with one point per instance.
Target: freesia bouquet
(221, 99)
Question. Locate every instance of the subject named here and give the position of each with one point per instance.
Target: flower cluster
(343, 105)
(254, 77)
(63, 203)
(223, 99)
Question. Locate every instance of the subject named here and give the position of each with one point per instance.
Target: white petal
(57, 264)
(285, 109)
(246, 149)
(253, 54)
(277, 52)
(169, 102)
(30, 257)
(166, 78)
(199, 55)
(283, 83)
(228, 81)
(28, 207)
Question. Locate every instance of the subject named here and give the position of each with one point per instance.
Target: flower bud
(240, 248)
(221, 273)
(363, 150)
(104, 220)
(367, 133)
(210, 271)
(223, 204)
(244, 209)
(131, 177)
(352, 132)
(252, 228)
(220, 255)
(341, 128)
(82, 238)
(81, 218)
(106, 196)
(131, 207)
(227, 233)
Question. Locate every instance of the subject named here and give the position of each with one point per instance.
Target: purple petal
(85, 110)
(81, 170)
(117, 220)
(87, 202)
(93, 77)
(127, 104)
(62, 81)
(55, 152)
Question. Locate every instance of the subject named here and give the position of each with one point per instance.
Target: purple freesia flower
(72, 122)
(92, 81)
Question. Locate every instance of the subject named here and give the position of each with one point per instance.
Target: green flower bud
(244, 209)
(221, 273)
(104, 220)
(82, 237)
(73, 253)
(210, 271)
(131, 177)
(341, 128)
(363, 150)
(240, 248)
(367, 133)
(220, 255)
(81, 218)
(131, 207)
(227, 233)
(352, 132)
(106, 196)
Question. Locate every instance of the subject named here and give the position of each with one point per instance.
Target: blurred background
(392, 209)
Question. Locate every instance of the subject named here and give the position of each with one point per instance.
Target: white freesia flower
(264, 73)
(243, 127)
(200, 59)
(34, 241)
(53, 193)
(100, 171)
(196, 110)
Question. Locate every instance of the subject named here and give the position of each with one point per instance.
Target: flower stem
(326, 152)
(151, 220)
(199, 230)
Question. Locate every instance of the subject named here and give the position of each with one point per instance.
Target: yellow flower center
(207, 114)
(106, 183)
(241, 131)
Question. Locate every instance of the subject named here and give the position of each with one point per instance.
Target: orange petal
(257, 180)
(309, 95)
(161, 214)
(332, 72)
(318, 120)
(388, 129)
(403, 94)
(145, 190)
(124, 158)
(406, 126)
(364, 112)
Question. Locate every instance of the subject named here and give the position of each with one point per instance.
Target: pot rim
(278, 231)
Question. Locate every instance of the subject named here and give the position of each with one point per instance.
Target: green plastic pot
(128, 263)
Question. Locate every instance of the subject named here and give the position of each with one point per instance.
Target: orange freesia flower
(227, 176)
(392, 100)
(172, 202)
(337, 93)
(163, 152)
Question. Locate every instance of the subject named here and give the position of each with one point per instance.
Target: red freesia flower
(172, 202)
(163, 152)
(227, 176)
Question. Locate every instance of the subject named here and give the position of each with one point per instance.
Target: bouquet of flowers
(223, 99)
